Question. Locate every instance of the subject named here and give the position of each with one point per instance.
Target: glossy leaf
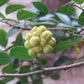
(5, 80)
(36, 77)
(80, 60)
(46, 23)
(61, 60)
(11, 32)
(81, 19)
(10, 20)
(4, 58)
(19, 40)
(66, 9)
(20, 52)
(64, 18)
(13, 8)
(3, 40)
(75, 23)
(47, 17)
(41, 7)
(1, 15)
(79, 1)
(58, 34)
(62, 46)
(25, 69)
(9, 69)
(2, 2)
(33, 9)
(61, 25)
(25, 15)
(75, 39)
(44, 61)
(55, 76)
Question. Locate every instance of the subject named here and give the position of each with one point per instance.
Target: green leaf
(80, 60)
(41, 7)
(61, 25)
(64, 18)
(19, 40)
(47, 17)
(11, 20)
(5, 80)
(11, 32)
(4, 58)
(75, 39)
(13, 8)
(23, 80)
(2, 2)
(81, 19)
(73, 29)
(3, 40)
(66, 9)
(75, 23)
(25, 15)
(44, 61)
(25, 69)
(20, 52)
(47, 73)
(79, 1)
(55, 76)
(1, 15)
(9, 69)
(62, 46)
(46, 23)
(8, 48)
(36, 77)
(60, 61)
(58, 35)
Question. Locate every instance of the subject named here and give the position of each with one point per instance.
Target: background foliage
(26, 19)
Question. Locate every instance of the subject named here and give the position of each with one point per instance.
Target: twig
(55, 29)
(75, 5)
(41, 66)
(45, 70)
(75, 34)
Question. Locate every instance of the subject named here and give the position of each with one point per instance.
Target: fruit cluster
(39, 41)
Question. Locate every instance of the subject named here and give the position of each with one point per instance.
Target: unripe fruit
(39, 54)
(43, 42)
(77, 50)
(34, 34)
(52, 42)
(27, 45)
(39, 41)
(46, 35)
(47, 49)
(34, 41)
(38, 49)
(81, 43)
(32, 52)
(28, 36)
(40, 30)
(34, 29)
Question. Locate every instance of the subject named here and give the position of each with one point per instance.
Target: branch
(55, 29)
(45, 70)
(41, 66)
